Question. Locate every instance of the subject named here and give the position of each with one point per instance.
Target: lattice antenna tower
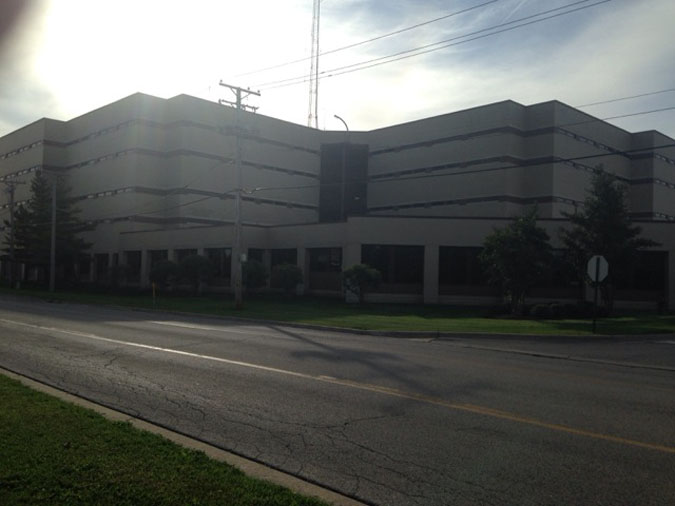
(313, 116)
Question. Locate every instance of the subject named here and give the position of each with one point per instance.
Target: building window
(325, 259)
(132, 260)
(155, 256)
(181, 254)
(280, 257)
(256, 254)
(645, 279)
(460, 266)
(325, 269)
(560, 281)
(343, 191)
(221, 258)
(402, 267)
(283, 256)
(84, 266)
(101, 266)
(460, 272)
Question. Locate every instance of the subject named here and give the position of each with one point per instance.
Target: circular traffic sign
(597, 268)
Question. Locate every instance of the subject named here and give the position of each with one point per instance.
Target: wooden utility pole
(237, 252)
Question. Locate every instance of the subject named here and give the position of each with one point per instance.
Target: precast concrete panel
(663, 200)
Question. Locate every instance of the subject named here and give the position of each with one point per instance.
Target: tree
(516, 257)
(360, 278)
(33, 227)
(287, 276)
(195, 269)
(603, 227)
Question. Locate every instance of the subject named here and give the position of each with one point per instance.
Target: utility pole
(11, 186)
(239, 94)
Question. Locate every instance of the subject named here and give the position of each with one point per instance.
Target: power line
(626, 98)
(435, 46)
(394, 178)
(120, 215)
(361, 43)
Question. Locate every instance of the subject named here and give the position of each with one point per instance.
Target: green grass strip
(53, 452)
(381, 317)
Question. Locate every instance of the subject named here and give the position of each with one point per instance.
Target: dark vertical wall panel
(355, 159)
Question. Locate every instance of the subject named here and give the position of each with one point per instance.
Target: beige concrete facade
(157, 177)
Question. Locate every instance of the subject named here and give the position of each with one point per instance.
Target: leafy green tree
(196, 269)
(516, 257)
(603, 227)
(287, 276)
(360, 278)
(33, 227)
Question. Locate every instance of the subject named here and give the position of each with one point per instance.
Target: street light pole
(344, 168)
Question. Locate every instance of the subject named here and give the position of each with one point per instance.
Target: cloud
(170, 47)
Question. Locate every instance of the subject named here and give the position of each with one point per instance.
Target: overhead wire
(436, 46)
(401, 178)
(121, 215)
(368, 41)
(620, 99)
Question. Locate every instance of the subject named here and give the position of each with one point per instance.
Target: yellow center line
(470, 408)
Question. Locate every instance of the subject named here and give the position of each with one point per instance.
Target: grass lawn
(335, 313)
(53, 452)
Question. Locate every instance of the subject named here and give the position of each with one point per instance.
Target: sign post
(597, 269)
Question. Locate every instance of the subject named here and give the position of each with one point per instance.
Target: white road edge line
(471, 408)
(195, 326)
(159, 348)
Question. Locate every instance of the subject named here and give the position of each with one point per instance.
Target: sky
(63, 58)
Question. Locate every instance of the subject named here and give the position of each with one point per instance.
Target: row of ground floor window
(413, 273)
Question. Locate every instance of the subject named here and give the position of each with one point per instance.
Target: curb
(406, 334)
(247, 466)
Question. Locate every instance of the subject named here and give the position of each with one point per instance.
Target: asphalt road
(389, 421)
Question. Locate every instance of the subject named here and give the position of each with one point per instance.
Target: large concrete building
(157, 179)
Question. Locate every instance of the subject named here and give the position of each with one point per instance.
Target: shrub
(195, 269)
(541, 311)
(287, 276)
(584, 309)
(164, 273)
(571, 310)
(118, 274)
(557, 310)
(500, 309)
(360, 278)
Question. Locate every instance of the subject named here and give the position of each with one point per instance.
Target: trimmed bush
(541, 311)
(195, 269)
(360, 278)
(287, 276)
(164, 273)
